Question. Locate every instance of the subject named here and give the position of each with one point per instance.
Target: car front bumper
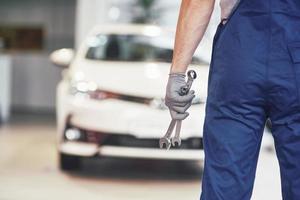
(89, 150)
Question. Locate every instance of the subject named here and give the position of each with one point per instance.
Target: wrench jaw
(165, 142)
(176, 142)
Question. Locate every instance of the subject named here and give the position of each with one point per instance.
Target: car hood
(144, 79)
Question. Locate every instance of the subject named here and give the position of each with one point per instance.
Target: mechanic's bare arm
(193, 19)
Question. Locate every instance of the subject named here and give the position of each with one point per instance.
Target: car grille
(102, 94)
(113, 139)
(131, 141)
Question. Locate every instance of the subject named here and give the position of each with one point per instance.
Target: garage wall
(88, 14)
(34, 78)
(94, 12)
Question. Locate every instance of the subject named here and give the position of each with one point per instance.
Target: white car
(111, 99)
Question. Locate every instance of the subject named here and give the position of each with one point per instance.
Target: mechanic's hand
(176, 103)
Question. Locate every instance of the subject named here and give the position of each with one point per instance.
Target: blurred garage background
(34, 164)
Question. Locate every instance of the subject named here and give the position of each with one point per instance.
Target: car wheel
(68, 162)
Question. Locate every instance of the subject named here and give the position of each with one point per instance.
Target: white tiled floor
(28, 172)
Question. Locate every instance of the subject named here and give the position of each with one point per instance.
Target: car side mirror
(62, 57)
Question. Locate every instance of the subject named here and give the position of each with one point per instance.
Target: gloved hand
(176, 103)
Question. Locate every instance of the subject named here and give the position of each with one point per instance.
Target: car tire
(69, 162)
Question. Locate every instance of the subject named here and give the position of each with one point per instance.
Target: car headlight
(82, 87)
(158, 103)
(91, 90)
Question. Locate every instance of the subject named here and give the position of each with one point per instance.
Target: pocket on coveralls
(294, 51)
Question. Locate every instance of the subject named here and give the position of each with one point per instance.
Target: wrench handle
(178, 128)
(170, 129)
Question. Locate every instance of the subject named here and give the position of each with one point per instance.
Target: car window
(131, 48)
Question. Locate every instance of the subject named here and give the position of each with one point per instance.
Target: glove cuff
(177, 74)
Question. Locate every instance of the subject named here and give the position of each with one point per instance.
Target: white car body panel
(88, 150)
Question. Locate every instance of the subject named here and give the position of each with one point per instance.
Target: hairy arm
(193, 19)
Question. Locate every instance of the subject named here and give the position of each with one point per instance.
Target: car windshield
(132, 48)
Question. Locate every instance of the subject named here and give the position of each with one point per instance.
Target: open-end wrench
(167, 137)
(184, 91)
(166, 140)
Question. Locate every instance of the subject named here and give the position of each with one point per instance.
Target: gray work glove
(176, 103)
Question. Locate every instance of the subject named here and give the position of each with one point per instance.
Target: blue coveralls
(254, 75)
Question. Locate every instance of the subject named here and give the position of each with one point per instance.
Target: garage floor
(28, 171)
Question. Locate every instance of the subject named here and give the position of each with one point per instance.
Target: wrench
(166, 139)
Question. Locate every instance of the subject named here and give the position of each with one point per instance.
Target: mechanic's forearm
(193, 19)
